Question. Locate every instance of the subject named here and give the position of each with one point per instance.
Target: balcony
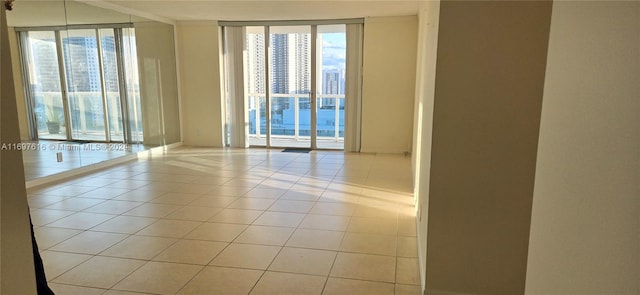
(87, 111)
(291, 120)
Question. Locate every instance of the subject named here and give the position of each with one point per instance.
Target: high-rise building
(80, 55)
(279, 66)
(299, 62)
(109, 63)
(290, 68)
(255, 63)
(332, 82)
(81, 62)
(46, 74)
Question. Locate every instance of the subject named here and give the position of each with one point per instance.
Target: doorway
(294, 85)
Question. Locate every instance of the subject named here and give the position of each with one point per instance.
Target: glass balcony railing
(291, 117)
(87, 116)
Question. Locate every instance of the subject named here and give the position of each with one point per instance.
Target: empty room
(320, 147)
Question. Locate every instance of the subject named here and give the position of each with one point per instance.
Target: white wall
(158, 82)
(77, 12)
(388, 86)
(585, 224)
(48, 12)
(388, 90)
(201, 95)
(423, 119)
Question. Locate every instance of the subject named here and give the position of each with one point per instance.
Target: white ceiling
(185, 10)
(28, 13)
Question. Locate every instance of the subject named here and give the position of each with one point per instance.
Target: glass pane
(111, 84)
(44, 78)
(290, 84)
(257, 112)
(84, 84)
(282, 116)
(304, 118)
(255, 83)
(131, 77)
(331, 56)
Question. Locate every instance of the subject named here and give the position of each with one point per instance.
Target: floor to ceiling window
(255, 85)
(82, 83)
(290, 80)
(40, 52)
(294, 85)
(331, 57)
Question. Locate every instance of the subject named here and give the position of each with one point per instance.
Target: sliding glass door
(294, 85)
(290, 91)
(331, 59)
(255, 84)
(84, 79)
(101, 100)
(43, 68)
(112, 88)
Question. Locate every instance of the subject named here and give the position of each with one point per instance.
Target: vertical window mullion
(267, 86)
(314, 114)
(122, 86)
(104, 86)
(25, 50)
(63, 84)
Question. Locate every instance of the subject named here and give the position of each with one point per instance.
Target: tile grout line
(307, 180)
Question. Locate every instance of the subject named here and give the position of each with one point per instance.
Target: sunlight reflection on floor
(325, 220)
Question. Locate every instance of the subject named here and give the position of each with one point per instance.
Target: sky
(333, 51)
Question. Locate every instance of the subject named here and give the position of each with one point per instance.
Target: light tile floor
(213, 221)
(40, 160)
